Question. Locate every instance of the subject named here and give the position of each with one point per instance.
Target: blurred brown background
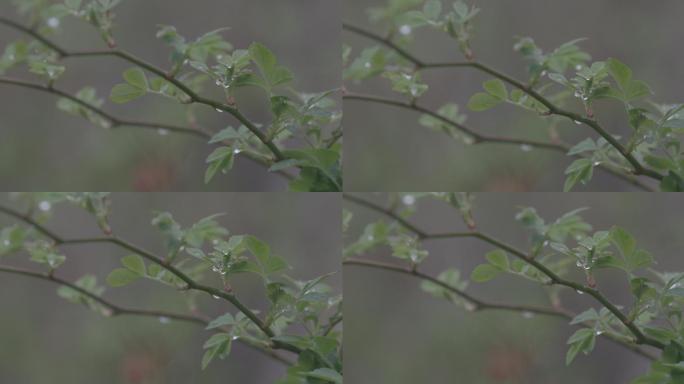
(396, 333)
(45, 339)
(44, 148)
(386, 148)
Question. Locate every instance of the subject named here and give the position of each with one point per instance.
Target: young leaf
(496, 88)
(581, 341)
(136, 77)
(326, 374)
(484, 272)
(135, 264)
(123, 93)
(499, 259)
(483, 101)
(120, 277)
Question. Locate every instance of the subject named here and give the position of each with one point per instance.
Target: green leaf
(581, 341)
(672, 183)
(483, 101)
(499, 259)
(223, 320)
(257, 247)
(120, 277)
(135, 264)
(267, 63)
(284, 165)
(221, 159)
(484, 272)
(326, 374)
(581, 170)
(623, 241)
(637, 89)
(123, 93)
(496, 88)
(588, 315)
(217, 345)
(136, 77)
(620, 72)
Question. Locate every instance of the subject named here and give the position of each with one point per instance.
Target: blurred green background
(45, 339)
(44, 148)
(396, 333)
(387, 150)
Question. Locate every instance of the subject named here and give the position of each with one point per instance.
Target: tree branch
(194, 97)
(554, 279)
(117, 122)
(115, 310)
(478, 304)
(639, 169)
(190, 283)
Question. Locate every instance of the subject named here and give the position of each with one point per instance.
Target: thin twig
(117, 122)
(193, 96)
(554, 279)
(479, 304)
(639, 169)
(483, 139)
(116, 310)
(190, 283)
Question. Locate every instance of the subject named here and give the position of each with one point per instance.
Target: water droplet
(578, 67)
(408, 199)
(164, 320)
(470, 307)
(405, 30)
(219, 110)
(578, 122)
(526, 147)
(545, 243)
(219, 57)
(596, 163)
(414, 256)
(579, 292)
(53, 22)
(237, 151)
(44, 205)
(162, 132)
(599, 332)
(215, 297)
(468, 140)
(527, 315)
(544, 73)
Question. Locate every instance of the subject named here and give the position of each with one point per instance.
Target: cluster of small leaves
(305, 115)
(201, 251)
(297, 117)
(568, 246)
(655, 136)
(403, 244)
